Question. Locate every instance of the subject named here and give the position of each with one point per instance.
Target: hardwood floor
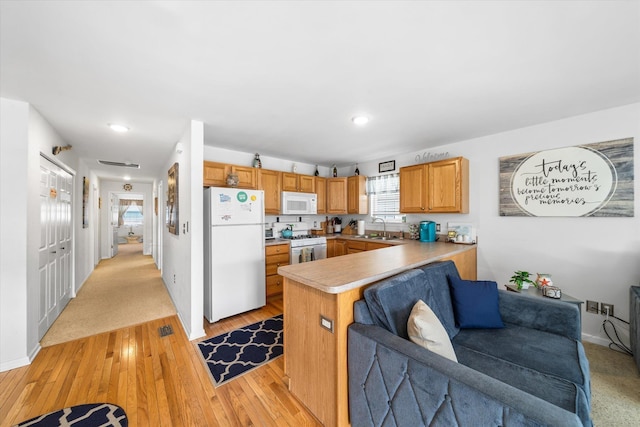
(158, 381)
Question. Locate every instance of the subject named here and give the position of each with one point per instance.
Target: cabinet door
(289, 181)
(307, 183)
(321, 191)
(337, 195)
(331, 248)
(413, 189)
(448, 186)
(341, 248)
(271, 183)
(357, 201)
(215, 174)
(375, 245)
(299, 183)
(355, 247)
(247, 176)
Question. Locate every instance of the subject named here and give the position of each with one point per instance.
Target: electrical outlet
(592, 307)
(606, 309)
(437, 228)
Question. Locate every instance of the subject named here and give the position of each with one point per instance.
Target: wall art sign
(85, 202)
(387, 166)
(428, 157)
(172, 200)
(585, 180)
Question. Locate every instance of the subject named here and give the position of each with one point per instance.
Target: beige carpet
(615, 387)
(122, 291)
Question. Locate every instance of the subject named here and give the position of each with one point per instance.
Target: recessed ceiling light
(118, 128)
(360, 120)
(126, 178)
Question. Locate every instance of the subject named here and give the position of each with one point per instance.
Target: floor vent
(165, 330)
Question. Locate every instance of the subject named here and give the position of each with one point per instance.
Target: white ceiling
(284, 78)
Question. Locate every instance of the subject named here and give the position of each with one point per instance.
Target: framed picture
(387, 166)
(155, 206)
(85, 202)
(172, 200)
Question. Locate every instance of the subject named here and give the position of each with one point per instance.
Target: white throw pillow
(424, 328)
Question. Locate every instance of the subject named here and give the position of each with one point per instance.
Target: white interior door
(55, 249)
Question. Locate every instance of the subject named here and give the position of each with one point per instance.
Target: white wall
(182, 266)
(590, 258)
(25, 133)
(14, 116)
(85, 237)
(42, 138)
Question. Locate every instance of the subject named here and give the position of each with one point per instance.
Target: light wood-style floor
(158, 381)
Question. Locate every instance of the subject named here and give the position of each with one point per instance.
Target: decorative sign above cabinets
(585, 180)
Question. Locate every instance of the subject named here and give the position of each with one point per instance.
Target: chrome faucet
(384, 225)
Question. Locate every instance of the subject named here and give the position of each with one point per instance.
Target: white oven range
(304, 246)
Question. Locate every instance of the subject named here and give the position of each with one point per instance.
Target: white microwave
(299, 203)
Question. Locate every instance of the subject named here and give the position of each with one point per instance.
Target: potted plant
(521, 280)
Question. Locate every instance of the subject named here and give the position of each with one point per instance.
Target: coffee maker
(427, 231)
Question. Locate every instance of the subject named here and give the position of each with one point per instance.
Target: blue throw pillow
(475, 303)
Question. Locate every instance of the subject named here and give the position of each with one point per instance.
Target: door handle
(62, 248)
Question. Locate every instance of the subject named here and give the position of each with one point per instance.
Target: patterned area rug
(90, 415)
(237, 352)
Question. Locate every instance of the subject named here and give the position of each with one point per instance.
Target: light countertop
(339, 274)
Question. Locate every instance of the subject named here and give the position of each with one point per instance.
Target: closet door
(55, 249)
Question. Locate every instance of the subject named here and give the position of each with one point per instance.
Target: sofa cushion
(425, 329)
(390, 301)
(475, 303)
(544, 352)
(559, 391)
(437, 275)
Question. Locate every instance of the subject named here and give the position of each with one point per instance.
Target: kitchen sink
(367, 236)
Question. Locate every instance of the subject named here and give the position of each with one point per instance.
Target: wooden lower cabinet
(276, 256)
(356, 246)
(336, 247)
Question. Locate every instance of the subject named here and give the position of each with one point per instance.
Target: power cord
(613, 345)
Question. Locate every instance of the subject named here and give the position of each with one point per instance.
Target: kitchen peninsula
(318, 308)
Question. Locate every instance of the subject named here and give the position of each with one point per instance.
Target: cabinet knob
(421, 208)
(278, 265)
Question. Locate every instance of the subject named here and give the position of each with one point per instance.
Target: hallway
(122, 291)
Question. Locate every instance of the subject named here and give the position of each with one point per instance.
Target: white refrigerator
(234, 260)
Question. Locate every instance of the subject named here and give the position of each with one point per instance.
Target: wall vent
(119, 164)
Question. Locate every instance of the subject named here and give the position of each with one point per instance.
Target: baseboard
(13, 364)
(594, 339)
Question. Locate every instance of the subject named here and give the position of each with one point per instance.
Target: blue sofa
(531, 372)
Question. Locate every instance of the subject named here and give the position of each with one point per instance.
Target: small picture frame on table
(387, 166)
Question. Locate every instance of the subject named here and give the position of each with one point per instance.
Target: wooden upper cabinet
(441, 187)
(215, 174)
(247, 176)
(321, 191)
(271, 183)
(337, 196)
(449, 186)
(357, 200)
(300, 183)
